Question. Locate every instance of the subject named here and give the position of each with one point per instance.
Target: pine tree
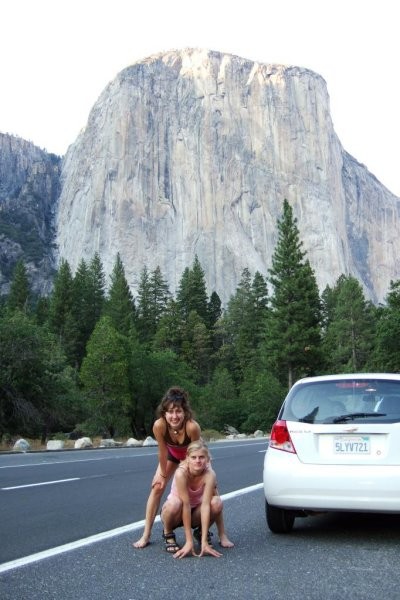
(214, 309)
(348, 336)
(292, 345)
(120, 306)
(18, 297)
(386, 355)
(196, 346)
(96, 292)
(153, 297)
(105, 378)
(170, 329)
(245, 320)
(61, 300)
(192, 293)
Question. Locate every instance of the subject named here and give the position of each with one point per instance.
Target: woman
(194, 502)
(174, 430)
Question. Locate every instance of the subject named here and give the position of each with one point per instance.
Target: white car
(334, 447)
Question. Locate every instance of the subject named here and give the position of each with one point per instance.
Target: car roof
(341, 376)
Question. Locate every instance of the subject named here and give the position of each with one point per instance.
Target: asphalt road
(53, 498)
(328, 557)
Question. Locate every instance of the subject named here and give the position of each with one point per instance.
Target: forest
(92, 359)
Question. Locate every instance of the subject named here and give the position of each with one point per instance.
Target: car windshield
(339, 401)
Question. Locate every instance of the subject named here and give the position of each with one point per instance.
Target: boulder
(258, 433)
(231, 430)
(149, 441)
(132, 443)
(55, 445)
(21, 445)
(84, 442)
(107, 443)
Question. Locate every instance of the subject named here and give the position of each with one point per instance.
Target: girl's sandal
(197, 535)
(171, 545)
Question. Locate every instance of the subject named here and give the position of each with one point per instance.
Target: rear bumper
(288, 483)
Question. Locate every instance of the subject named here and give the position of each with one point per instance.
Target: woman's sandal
(171, 546)
(197, 535)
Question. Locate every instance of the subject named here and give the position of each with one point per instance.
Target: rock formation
(29, 188)
(192, 152)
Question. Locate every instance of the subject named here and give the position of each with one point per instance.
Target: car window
(358, 399)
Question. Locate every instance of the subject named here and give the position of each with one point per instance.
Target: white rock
(107, 443)
(22, 445)
(55, 445)
(132, 442)
(84, 442)
(258, 433)
(149, 441)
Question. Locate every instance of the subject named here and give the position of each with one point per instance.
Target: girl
(194, 502)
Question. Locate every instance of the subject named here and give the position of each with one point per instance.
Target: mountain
(29, 189)
(193, 152)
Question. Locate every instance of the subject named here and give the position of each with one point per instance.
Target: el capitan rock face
(192, 152)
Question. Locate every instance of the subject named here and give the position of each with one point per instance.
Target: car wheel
(279, 520)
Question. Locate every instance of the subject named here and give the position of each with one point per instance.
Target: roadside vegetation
(92, 359)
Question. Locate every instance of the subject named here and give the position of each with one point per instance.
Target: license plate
(358, 444)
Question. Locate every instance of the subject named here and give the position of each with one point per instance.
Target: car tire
(279, 520)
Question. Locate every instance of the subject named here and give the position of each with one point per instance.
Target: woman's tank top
(177, 451)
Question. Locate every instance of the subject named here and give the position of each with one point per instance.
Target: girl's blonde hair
(196, 446)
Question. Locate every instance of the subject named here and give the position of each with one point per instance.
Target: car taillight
(280, 438)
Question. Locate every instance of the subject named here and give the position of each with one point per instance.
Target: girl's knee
(173, 506)
(216, 505)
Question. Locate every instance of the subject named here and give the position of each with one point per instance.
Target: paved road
(329, 557)
(49, 499)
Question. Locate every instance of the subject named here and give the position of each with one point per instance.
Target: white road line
(99, 537)
(18, 487)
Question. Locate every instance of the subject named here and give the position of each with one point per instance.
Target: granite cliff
(29, 188)
(192, 152)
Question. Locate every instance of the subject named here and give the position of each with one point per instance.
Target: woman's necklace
(176, 431)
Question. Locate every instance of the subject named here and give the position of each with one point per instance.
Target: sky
(57, 56)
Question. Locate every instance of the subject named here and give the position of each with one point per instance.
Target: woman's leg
(153, 504)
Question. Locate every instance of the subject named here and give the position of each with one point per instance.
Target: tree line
(94, 359)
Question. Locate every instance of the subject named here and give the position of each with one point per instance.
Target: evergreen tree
(348, 336)
(245, 320)
(196, 346)
(198, 291)
(120, 306)
(105, 379)
(96, 292)
(36, 386)
(214, 310)
(61, 300)
(261, 396)
(18, 297)
(87, 304)
(237, 323)
(170, 329)
(219, 404)
(153, 298)
(192, 293)
(386, 356)
(78, 318)
(292, 345)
